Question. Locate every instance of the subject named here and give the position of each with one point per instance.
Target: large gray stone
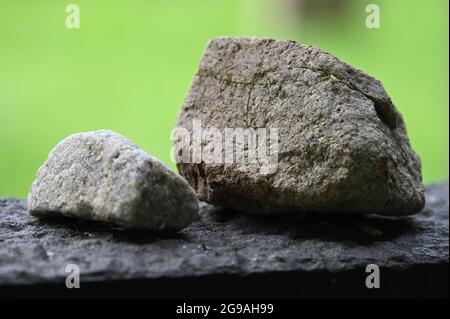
(102, 176)
(227, 254)
(342, 144)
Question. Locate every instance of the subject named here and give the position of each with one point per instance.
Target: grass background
(129, 67)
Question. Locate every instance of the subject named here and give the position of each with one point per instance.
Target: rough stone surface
(343, 146)
(226, 253)
(102, 176)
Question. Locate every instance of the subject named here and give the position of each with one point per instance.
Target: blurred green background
(129, 67)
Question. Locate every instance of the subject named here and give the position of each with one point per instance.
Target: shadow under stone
(361, 229)
(77, 227)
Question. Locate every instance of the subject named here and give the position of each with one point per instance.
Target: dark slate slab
(227, 254)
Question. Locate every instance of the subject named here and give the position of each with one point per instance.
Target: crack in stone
(390, 118)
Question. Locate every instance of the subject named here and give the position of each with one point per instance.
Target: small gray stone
(103, 176)
(342, 144)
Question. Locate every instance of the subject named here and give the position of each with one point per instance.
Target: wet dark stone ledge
(225, 254)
